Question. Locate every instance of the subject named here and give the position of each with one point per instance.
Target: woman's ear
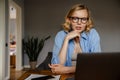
(67, 20)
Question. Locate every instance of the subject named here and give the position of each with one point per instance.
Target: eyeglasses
(76, 19)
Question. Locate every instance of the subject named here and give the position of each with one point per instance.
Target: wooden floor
(14, 75)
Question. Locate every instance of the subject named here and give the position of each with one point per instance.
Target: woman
(78, 37)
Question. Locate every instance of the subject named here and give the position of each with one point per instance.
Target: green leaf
(32, 46)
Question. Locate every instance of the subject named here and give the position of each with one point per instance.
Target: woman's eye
(84, 19)
(75, 18)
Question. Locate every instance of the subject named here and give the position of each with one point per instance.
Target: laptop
(98, 66)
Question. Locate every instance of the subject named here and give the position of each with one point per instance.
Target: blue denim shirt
(89, 41)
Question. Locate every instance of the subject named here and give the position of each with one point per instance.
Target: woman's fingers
(50, 65)
(55, 68)
(52, 68)
(73, 34)
(55, 65)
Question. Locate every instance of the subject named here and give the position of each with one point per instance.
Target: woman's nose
(79, 22)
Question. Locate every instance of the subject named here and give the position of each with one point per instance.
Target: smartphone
(43, 78)
(70, 78)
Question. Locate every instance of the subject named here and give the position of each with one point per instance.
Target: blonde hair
(77, 7)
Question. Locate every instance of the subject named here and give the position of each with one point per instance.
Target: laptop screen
(98, 66)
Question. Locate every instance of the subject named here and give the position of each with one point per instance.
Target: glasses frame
(83, 20)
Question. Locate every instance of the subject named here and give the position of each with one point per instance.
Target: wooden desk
(44, 72)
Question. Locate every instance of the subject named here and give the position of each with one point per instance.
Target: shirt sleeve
(94, 41)
(57, 46)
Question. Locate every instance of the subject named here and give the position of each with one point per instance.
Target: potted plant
(32, 47)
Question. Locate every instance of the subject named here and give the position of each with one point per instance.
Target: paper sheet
(56, 77)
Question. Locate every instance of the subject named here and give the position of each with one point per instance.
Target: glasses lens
(84, 20)
(76, 19)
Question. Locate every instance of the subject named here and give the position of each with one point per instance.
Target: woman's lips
(78, 28)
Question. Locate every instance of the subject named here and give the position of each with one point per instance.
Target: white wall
(44, 17)
(107, 21)
(2, 39)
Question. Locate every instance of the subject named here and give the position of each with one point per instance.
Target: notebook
(98, 66)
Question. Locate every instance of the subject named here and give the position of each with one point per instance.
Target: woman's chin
(79, 31)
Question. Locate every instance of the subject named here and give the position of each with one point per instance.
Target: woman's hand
(72, 35)
(60, 69)
(57, 68)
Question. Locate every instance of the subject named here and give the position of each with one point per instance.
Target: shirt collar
(84, 35)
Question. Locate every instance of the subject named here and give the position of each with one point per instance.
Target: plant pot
(33, 64)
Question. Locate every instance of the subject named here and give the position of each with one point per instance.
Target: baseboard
(19, 68)
(7, 78)
(28, 66)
